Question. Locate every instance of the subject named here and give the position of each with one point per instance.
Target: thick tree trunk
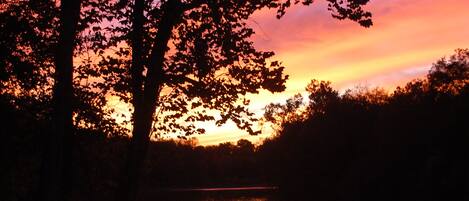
(145, 100)
(57, 156)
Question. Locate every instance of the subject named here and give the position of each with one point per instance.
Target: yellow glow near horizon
(407, 37)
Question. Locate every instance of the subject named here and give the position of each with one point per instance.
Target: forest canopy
(406, 144)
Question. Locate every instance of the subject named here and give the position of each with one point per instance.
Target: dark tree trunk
(145, 100)
(57, 156)
(127, 186)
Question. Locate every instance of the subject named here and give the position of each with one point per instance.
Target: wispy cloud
(407, 37)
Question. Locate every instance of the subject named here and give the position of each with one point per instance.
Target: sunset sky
(406, 38)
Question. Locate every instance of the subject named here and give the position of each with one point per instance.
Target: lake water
(219, 194)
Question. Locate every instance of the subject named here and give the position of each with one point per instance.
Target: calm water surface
(219, 194)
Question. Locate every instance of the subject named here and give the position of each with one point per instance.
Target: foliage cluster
(371, 145)
(359, 145)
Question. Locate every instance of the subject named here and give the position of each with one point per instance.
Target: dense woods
(362, 144)
(178, 63)
(410, 144)
(174, 62)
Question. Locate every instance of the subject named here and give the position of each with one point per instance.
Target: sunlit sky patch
(407, 37)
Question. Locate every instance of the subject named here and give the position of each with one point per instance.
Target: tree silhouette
(26, 59)
(38, 40)
(188, 59)
(57, 163)
(371, 145)
(29, 45)
(29, 53)
(450, 74)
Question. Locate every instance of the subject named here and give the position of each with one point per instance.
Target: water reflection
(218, 194)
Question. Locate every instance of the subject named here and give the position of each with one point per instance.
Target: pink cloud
(407, 37)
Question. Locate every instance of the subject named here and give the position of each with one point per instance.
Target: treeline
(98, 161)
(411, 144)
(174, 62)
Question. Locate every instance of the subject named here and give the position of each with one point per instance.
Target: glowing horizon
(404, 41)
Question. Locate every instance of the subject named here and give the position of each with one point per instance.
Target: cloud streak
(407, 37)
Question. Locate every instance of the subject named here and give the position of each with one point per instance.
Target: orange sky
(407, 37)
